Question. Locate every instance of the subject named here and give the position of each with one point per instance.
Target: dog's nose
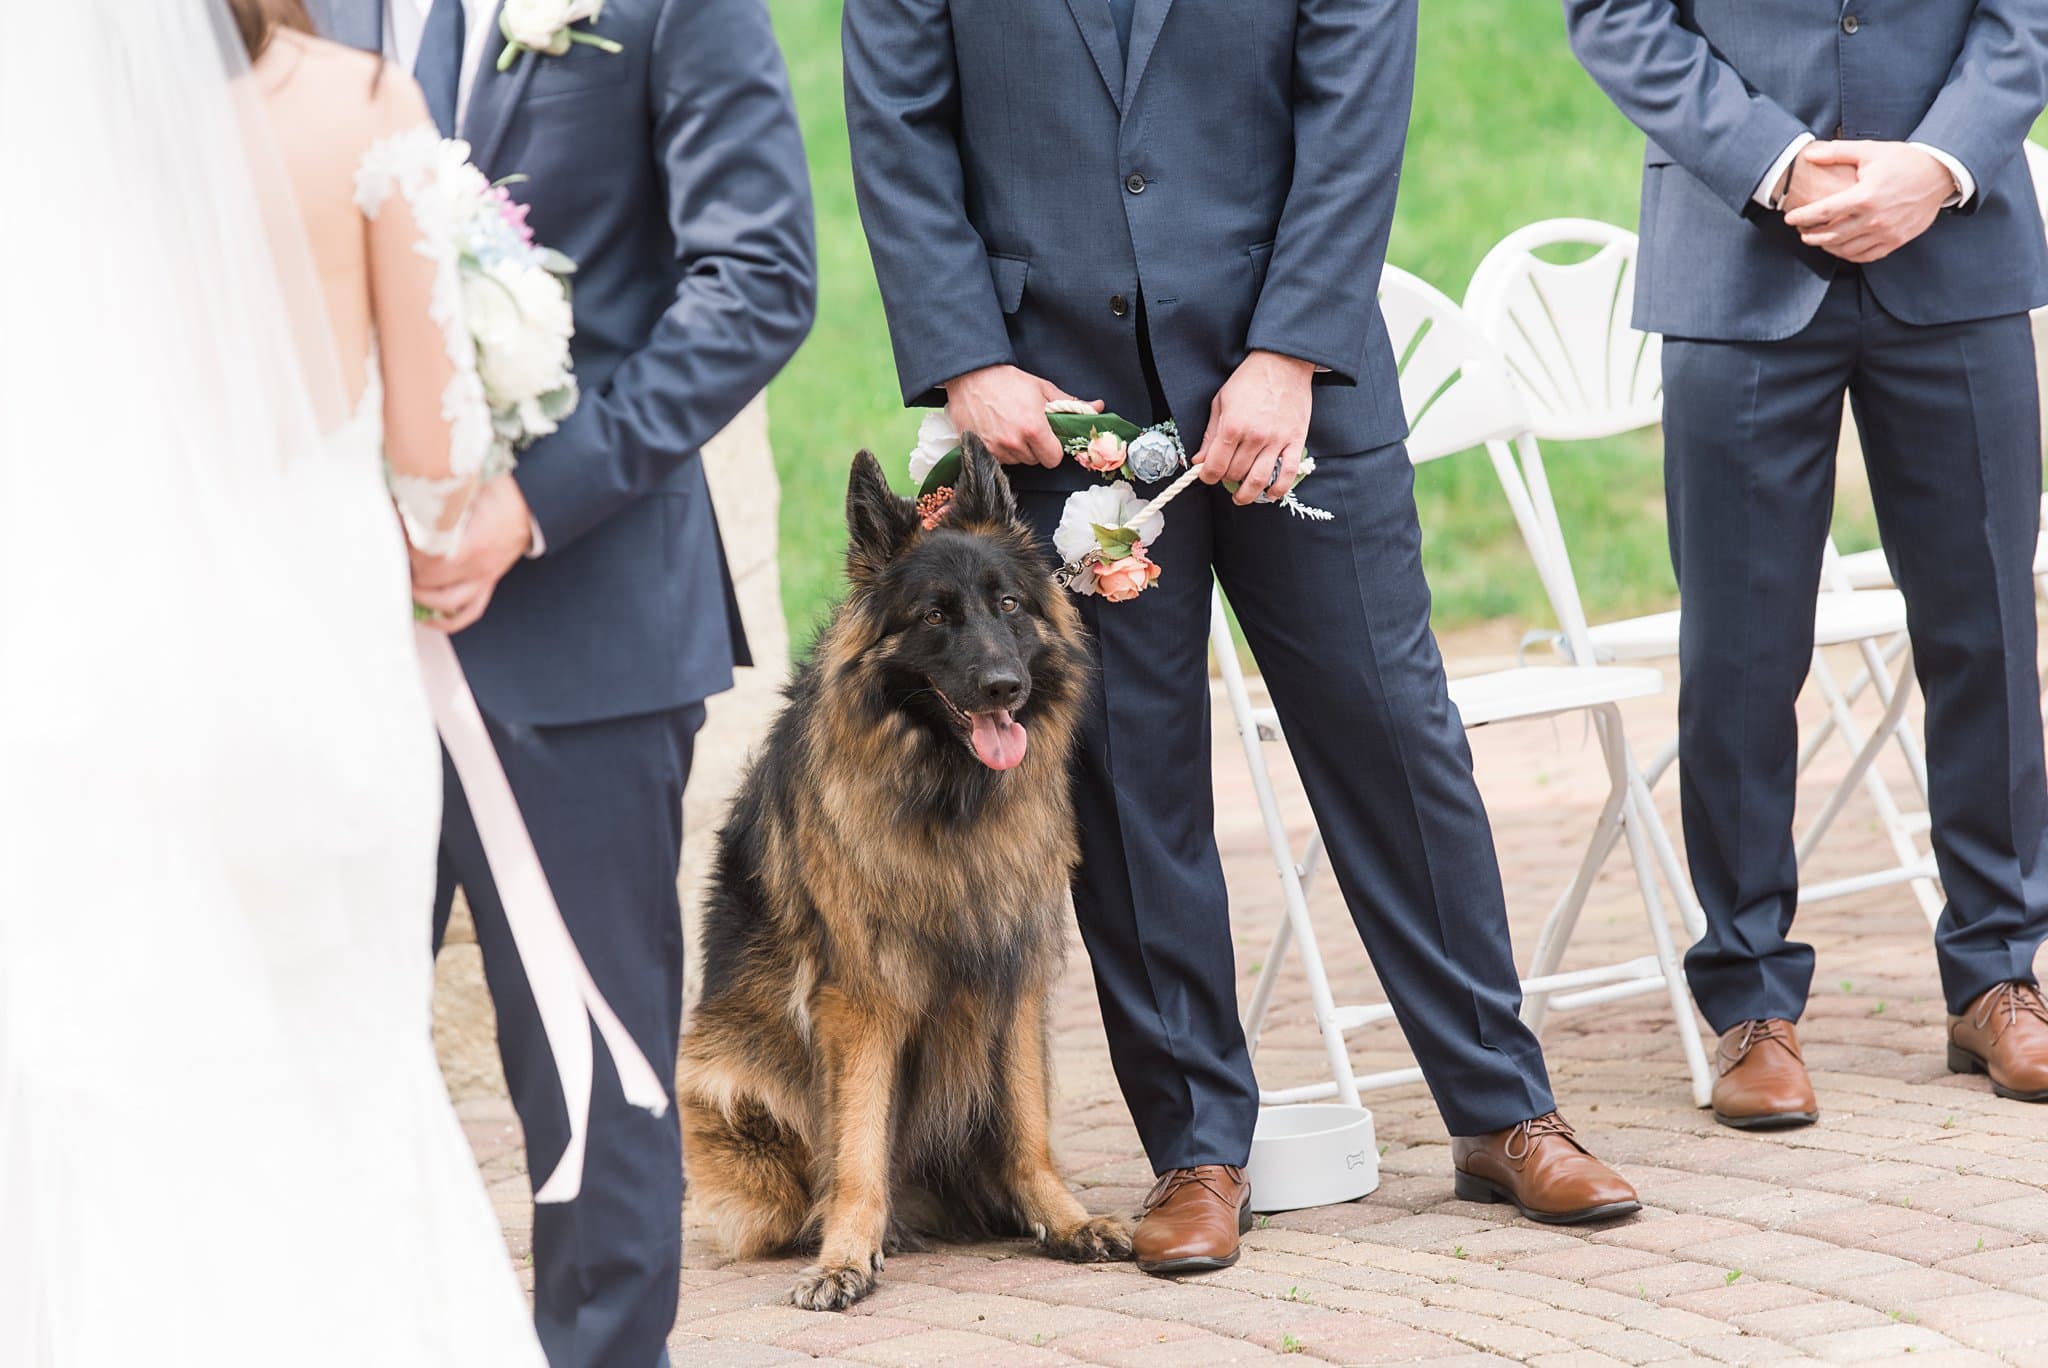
(1002, 689)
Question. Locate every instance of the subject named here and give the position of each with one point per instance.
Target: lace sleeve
(437, 424)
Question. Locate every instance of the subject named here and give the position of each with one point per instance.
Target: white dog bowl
(1312, 1155)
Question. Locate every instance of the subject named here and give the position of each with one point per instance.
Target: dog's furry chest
(928, 914)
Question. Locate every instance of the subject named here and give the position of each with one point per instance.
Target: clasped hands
(455, 590)
(1258, 421)
(1862, 201)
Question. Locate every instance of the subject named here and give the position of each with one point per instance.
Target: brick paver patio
(1911, 1225)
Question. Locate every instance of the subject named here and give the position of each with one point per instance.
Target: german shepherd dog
(867, 1066)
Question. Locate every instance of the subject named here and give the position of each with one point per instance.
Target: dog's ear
(879, 521)
(983, 494)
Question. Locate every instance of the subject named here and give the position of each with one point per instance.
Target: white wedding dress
(224, 1137)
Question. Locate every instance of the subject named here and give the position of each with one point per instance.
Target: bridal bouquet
(515, 296)
(501, 301)
(1105, 534)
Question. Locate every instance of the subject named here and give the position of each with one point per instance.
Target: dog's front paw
(1103, 1239)
(834, 1288)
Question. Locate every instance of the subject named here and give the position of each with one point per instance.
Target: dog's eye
(934, 618)
(1009, 603)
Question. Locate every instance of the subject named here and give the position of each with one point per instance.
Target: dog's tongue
(999, 740)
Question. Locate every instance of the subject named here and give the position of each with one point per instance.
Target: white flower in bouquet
(522, 323)
(515, 301)
(500, 299)
(456, 176)
(1105, 505)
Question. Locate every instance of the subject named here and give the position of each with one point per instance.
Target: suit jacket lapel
(1098, 29)
(1146, 21)
(493, 100)
(357, 23)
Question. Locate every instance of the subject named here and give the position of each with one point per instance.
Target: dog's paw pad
(834, 1289)
(1103, 1239)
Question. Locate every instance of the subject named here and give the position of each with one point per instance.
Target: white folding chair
(1585, 372)
(1458, 397)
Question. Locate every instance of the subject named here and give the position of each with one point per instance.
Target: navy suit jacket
(1723, 86)
(674, 174)
(1023, 182)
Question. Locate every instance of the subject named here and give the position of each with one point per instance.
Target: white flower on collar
(936, 437)
(547, 27)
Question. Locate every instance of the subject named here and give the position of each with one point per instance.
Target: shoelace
(1534, 1129)
(1755, 1033)
(2013, 998)
(1171, 1183)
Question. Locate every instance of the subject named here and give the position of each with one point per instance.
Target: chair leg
(1865, 752)
(1282, 848)
(1262, 990)
(1641, 816)
(1862, 771)
(1661, 762)
(1682, 1014)
(1816, 740)
(1690, 914)
(1564, 917)
(1876, 666)
(1875, 676)
(1276, 952)
(1311, 860)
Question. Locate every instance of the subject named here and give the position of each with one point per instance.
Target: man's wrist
(536, 540)
(1965, 183)
(1770, 191)
(1306, 369)
(974, 374)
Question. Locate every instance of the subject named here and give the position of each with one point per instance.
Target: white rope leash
(1166, 496)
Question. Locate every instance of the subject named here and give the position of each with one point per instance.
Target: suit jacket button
(1134, 183)
(1119, 306)
(1850, 23)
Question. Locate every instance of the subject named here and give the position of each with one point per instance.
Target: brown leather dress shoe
(1192, 1220)
(1760, 1080)
(2005, 1035)
(1541, 1168)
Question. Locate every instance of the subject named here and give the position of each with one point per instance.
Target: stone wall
(741, 470)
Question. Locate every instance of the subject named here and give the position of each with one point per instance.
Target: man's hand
(1898, 193)
(457, 588)
(1005, 407)
(1258, 426)
(1808, 181)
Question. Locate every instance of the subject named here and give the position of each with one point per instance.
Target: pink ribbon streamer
(565, 995)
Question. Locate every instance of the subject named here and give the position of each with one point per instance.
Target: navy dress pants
(1337, 614)
(1950, 425)
(604, 801)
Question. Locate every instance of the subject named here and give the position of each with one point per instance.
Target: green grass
(1507, 130)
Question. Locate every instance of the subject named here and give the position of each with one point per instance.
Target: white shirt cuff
(1767, 191)
(539, 547)
(1966, 184)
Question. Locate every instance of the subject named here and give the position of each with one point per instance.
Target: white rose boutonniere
(548, 28)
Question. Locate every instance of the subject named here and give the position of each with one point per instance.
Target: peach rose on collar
(1124, 579)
